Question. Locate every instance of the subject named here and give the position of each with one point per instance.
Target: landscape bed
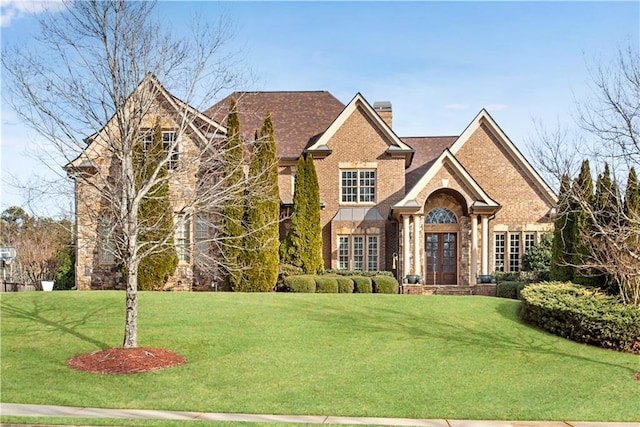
(314, 354)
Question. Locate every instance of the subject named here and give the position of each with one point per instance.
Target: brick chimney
(383, 108)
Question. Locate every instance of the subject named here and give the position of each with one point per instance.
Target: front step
(487, 290)
(446, 290)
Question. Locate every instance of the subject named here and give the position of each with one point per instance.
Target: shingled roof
(298, 117)
(427, 149)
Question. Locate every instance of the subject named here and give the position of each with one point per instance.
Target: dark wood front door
(440, 250)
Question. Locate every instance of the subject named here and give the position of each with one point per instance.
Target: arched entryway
(443, 211)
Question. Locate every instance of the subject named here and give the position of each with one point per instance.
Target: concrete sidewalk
(18, 409)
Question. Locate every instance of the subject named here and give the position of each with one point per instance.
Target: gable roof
(396, 146)
(485, 118)
(298, 117)
(151, 83)
(427, 149)
(447, 158)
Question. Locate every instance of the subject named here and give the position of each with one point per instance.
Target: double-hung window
(183, 238)
(202, 239)
(106, 244)
(499, 251)
(529, 241)
(357, 252)
(358, 186)
(514, 252)
(168, 144)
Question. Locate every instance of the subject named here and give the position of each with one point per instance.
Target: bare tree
(554, 152)
(39, 242)
(98, 73)
(611, 118)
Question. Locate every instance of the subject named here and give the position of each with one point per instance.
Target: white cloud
(10, 10)
(495, 107)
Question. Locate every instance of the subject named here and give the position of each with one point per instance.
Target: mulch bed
(116, 361)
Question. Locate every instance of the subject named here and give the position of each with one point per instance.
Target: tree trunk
(131, 315)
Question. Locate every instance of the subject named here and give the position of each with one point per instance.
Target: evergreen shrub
(360, 273)
(300, 284)
(384, 285)
(326, 285)
(362, 285)
(345, 284)
(582, 314)
(509, 289)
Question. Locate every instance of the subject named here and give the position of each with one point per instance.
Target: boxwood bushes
(384, 285)
(326, 284)
(340, 282)
(582, 314)
(362, 285)
(303, 283)
(345, 285)
(509, 289)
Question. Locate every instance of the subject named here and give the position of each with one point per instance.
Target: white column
(416, 245)
(485, 245)
(474, 248)
(405, 245)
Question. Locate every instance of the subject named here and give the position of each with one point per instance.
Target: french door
(440, 251)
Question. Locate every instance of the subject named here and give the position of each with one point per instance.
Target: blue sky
(438, 63)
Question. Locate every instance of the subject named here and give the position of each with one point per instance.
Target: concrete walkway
(18, 409)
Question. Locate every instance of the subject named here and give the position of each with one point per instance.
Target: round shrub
(326, 284)
(362, 285)
(582, 314)
(509, 289)
(301, 284)
(345, 285)
(384, 285)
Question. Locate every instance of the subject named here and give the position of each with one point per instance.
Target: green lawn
(314, 354)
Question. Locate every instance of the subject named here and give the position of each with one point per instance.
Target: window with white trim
(358, 252)
(358, 186)
(529, 241)
(514, 252)
(202, 239)
(183, 239)
(168, 143)
(499, 251)
(106, 246)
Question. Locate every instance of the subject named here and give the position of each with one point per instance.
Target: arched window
(441, 216)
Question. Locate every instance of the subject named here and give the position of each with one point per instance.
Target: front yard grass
(314, 354)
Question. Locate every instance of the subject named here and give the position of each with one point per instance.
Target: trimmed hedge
(345, 285)
(359, 273)
(362, 285)
(326, 285)
(582, 314)
(301, 284)
(384, 285)
(509, 289)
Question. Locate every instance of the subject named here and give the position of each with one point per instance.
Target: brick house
(443, 210)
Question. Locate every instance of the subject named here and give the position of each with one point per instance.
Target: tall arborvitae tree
(562, 249)
(632, 197)
(303, 245)
(607, 198)
(582, 200)
(263, 211)
(155, 216)
(233, 231)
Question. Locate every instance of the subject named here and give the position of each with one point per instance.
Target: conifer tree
(583, 199)
(233, 209)
(263, 211)
(562, 248)
(155, 215)
(303, 245)
(632, 197)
